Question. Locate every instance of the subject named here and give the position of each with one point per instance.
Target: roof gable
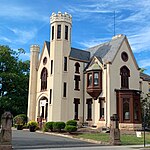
(46, 46)
(108, 50)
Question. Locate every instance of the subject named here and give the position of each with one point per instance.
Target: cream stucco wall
(115, 78)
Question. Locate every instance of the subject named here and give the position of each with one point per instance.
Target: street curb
(82, 139)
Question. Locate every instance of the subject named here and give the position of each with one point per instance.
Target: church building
(85, 85)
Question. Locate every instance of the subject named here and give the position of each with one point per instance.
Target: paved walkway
(23, 139)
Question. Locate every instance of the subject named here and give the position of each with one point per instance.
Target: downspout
(83, 91)
(105, 67)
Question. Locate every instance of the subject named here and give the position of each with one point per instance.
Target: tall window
(89, 79)
(126, 109)
(65, 90)
(77, 79)
(96, 74)
(76, 107)
(101, 102)
(125, 74)
(89, 109)
(65, 63)
(51, 66)
(59, 32)
(44, 75)
(77, 66)
(52, 32)
(50, 96)
(66, 32)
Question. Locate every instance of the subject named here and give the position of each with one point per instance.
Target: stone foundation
(130, 126)
(5, 147)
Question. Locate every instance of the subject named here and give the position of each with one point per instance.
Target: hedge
(71, 123)
(58, 126)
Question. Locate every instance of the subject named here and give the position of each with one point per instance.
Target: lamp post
(144, 124)
(0, 86)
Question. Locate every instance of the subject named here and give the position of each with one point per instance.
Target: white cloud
(92, 42)
(14, 11)
(132, 19)
(144, 63)
(23, 36)
(5, 39)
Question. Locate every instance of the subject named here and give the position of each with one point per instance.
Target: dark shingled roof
(79, 55)
(145, 77)
(48, 46)
(108, 50)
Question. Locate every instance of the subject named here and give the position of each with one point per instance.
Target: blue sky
(26, 22)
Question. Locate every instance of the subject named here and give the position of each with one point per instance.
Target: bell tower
(60, 46)
(34, 59)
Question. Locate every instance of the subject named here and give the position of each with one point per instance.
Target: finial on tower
(61, 17)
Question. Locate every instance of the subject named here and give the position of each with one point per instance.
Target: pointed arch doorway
(43, 108)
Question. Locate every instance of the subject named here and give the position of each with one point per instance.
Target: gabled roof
(144, 76)
(108, 50)
(79, 55)
(94, 66)
(47, 44)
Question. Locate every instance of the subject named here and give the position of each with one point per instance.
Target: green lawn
(125, 139)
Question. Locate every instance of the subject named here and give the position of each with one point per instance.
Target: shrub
(48, 126)
(71, 123)
(19, 119)
(32, 123)
(33, 126)
(58, 126)
(70, 128)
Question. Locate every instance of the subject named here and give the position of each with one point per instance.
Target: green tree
(146, 109)
(14, 77)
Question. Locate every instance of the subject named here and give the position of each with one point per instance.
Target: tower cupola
(61, 26)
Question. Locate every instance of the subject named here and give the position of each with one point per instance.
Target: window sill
(101, 119)
(88, 119)
(77, 89)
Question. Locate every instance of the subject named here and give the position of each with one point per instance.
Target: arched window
(44, 75)
(77, 66)
(126, 109)
(125, 74)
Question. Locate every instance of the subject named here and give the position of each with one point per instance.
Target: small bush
(71, 123)
(70, 128)
(32, 123)
(48, 126)
(58, 126)
(19, 119)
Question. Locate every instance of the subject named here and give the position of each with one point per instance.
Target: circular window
(124, 56)
(44, 60)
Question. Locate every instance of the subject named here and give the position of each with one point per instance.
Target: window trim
(66, 32)
(76, 107)
(65, 63)
(77, 82)
(53, 32)
(65, 89)
(44, 75)
(51, 66)
(59, 31)
(77, 68)
(125, 74)
(89, 109)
